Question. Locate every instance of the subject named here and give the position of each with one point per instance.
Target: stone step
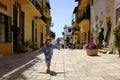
(105, 50)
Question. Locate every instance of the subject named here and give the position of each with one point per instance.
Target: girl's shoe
(48, 71)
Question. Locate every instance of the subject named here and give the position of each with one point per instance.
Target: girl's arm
(41, 50)
(56, 47)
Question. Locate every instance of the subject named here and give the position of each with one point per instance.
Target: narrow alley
(66, 65)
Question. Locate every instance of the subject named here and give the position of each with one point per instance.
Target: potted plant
(116, 33)
(91, 49)
(28, 45)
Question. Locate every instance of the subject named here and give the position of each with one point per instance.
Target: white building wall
(117, 5)
(66, 31)
(98, 9)
(105, 9)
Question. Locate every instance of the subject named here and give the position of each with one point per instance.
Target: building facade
(68, 35)
(117, 10)
(5, 27)
(29, 17)
(92, 15)
(103, 17)
(82, 20)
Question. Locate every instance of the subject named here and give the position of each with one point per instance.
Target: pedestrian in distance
(100, 38)
(20, 47)
(47, 49)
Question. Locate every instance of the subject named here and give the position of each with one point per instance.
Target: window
(69, 30)
(83, 36)
(9, 31)
(2, 18)
(92, 2)
(62, 33)
(2, 33)
(35, 35)
(5, 28)
(33, 2)
(2, 28)
(117, 13)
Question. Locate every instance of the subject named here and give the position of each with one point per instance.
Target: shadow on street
(10, 63)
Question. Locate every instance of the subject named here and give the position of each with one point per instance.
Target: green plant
(116, 33)
(26, 44)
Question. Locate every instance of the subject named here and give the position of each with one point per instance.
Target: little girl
(47, 49)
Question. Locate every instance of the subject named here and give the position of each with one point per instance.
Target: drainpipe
(89, 36)
(12, 23)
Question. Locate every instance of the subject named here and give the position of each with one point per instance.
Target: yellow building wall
(76, 37)
(46, 13)
(85, 27)
(28, 29)
(77, 33)
(38, 33)
(37, 25)
(45, 33)
(74, 24)
(27, 25)
(6, 48)
(7, 3)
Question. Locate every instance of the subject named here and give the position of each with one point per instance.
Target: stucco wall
(6, 48)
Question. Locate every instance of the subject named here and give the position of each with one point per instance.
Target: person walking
(100, 38)
(20, 44)
(47, 49)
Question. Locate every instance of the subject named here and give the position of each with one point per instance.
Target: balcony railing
(37, 5)
(83, 16)
(43, 18)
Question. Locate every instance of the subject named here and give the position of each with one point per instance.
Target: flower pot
(92, 52)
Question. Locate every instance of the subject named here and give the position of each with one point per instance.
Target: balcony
(37, 5)
(83, 4)
(76, 29)
(29, 7)
(83, 16)
(75, 10)
(48, 4)
(43, 18)
(23, 1)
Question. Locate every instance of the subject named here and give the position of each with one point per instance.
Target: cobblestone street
(66, 65)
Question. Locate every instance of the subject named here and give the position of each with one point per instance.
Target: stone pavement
(66, 65)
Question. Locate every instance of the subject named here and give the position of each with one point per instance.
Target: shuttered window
(5, 28)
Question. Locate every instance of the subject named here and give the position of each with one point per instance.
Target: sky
(61, 13)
